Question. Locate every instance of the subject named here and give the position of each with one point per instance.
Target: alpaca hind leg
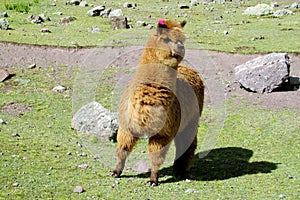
(158, 147)
(126, 143)
(186, 144)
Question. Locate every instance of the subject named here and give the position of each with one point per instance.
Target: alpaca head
(171, 38)
(166, 44)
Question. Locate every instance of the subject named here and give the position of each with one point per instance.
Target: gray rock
(78, 189)
(67, 19)
(294, 5)
(264, 73)
(259, 10)
(141, 23)
(283, 12)
(4, 14)
(59, 88)
(73, 2)
(95, 11)
(184, 6)
(274, 4)
(95, 30)
(118, 23)
(95, 119)
(194, 2)
(115, 13)
(129, 5)
(105, 13)
(83, 4)
(36, 19)
(4, 24)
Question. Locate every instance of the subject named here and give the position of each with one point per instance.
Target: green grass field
(41, 157)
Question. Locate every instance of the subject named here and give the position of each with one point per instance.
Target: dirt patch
(223, 65)
(15, 109)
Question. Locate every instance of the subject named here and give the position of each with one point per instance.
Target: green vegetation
(254, 157)
(206, 26)
(21, 6)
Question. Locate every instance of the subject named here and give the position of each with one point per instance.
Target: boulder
(4, 24)
(115, 13)
(118, 23)
(264, 73)
(83, 4)
(93, 118)
(259, 10)
(283, 12)
(95, 11)
(105, 13)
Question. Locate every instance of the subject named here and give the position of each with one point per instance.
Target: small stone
(15, 135)
(95, 11)
(274, 4)
(4, 24)
(83, 4)
(184, 6)
(73, 2)
(32, 66)
(2, 121)
(83, 166)
(128, 5)
(57, 13)
(225, 32)
(45, 30)
(282, 196)
(290, 176)
(5, 74)
(4, 14)
(190, 190)
(283, 12)
(95, 30)
(59, 89)
(194, 2)
(15, 184)
(78, 189)
(294, 5)
(141, 23)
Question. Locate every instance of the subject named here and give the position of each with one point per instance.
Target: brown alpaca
(162, 102)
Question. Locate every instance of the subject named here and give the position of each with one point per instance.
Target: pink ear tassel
(161, 21)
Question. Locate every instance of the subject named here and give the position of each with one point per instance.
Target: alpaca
(162, 102)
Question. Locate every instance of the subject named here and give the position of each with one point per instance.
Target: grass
(205, 27)
(253, 158)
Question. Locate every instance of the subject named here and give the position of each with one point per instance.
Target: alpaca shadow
(223, 163)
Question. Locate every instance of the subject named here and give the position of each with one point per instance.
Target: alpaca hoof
(152, 183)
(116, 174)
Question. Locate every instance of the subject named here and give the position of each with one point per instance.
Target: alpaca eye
(167, 40)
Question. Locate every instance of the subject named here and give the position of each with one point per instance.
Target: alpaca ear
(183, 23)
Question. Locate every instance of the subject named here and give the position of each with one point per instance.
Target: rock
(105, 13)
(264, 73)
(190, 190)
(95, 11)
(115, 13)
(2, 121)
(73, 2)
(59, 89)
(4, 24)
(93, 118)
(294, 5)
(78, 189)
(95, 30)
(67, 19)
(141, 23)
(45, 30)
(259, 10)
(84, 166)
(283, 12)
(274, 4)
(129, 5)
(36, 19)
(4, 14)
(57, 13)
(118, 23)
(15, 184)
(5, 74)
(194, 2)
(32, 66)
(44, 17)
(184, 6)
(83, 4)
(15, 135)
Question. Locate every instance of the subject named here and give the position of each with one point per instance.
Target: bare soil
(215, 66)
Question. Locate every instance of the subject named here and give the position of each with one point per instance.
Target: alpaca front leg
(126, 143)
(158, 147)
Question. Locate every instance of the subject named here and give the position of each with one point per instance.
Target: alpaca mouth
(178, 53)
